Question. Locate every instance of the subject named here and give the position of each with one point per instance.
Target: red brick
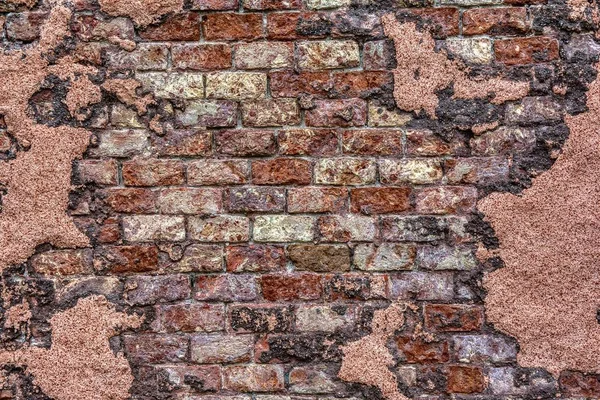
(281, 171)
(380, 200)
(245, 142)
(418, 350)
(361, 84)
(378, 55)
(314, 142)
(126, 259)
(63, 262)
(578, 384)
(526, 50)
(453, 318)
(255, 199)
(156, 349)
(427, 143)
(495, 21)
(231, 26)
(462, 379)
(446, 200)
(255, 258)
(344, 113)
(317, 200)
(179, 27)
(441, 22)
(220, 228)
(130, 200)
(270, 112)
(99, 172)
(272, 4)
(353, 286)
(225, 288)
(214, 5)
(153, 172)
(144, 290)
(291, 287)
(294, 84)
(193, 142)
(189, 318)
(373, 142)
(218, 172)
(282, 25)
(109, 231)
(254, 378)
(201, 57)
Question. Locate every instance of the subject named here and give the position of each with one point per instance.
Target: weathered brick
(526, 50)
(264, 55)
(446, 200)
(270, 112)
(328, 54)
(462, 379)
(380, 200)
(282, 25)
(236, 85)
(153, 172)
(255, 199)
(384, 257)
(503, 140)
(271, 4)
(378, 55)
(283, 287)
(440, 21)
(452, 318)
(178, 27)
(221, 228)
(195, 378)
(345, 171)
(246, 142)
(218, 172)
(380, 116)
(212, 5)
(295, 84)
(316, 200)
(229, 26)
(225, 288)
(126, 259)
(470, 3)
(372, 142)
(484, 348)
(123, 117)
(146, 56)
(418, 350)
(426, 143)
(260, 318)
(534, 110)
(24, 26)
(422, 286)
(323, 318)
(173, 85)
(255, 258)
(360, 84)
(337, 228)
(71, 290)
(480, 171)
(333, 113)
(413, 228)
(148, 228)
(201, 57)
(471, 50)
(130, 200)
(208, 113)
(120, 143)
(189, 201)
(326, 4)
(282, 171)
(418, 171)
(578, 384)
(199, 258)
(254, 378)
(99, 172)
(314, 142)
(356, 286)
(156, 349)
(184, 143)
(109, 231)
(444, 257)
(313, 379)
(63, 262)
(320, 258)
(283, 228)
(189, 318)
(495, 21)
(144, 290)
(214, 349)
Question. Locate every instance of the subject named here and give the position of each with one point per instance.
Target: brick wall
(284, 197)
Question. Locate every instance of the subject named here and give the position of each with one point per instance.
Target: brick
(484, 348)
(413, 228)
(126, 259)
(213, 349)
(334, 228)
(63, 262)
(480, 171)
(345, 171)
(334, 113)
(109, 231)
(317, 200)
(314, 142)
(225, 288)
(236, 85)
(452, 318)
(504, 140)
(130, 200)
(295, 84)
(470, 3)
(534, 110)
(254, 378)
(445, 257)
(380, 116)
(123, 117)
(25, 26)
(189, 318)
(422, 286)
(322, 318)
(510, 380)
(471, 50)
(199, 258)
(255, 258)
(418, 350)
(282, 287)
(378, 55)
(196, 378)
(218, 172)
(208, 113)
(261, 318)
(441, 22)
(173, 85)
(270, 112)
(222, 228)
(120, 143)
(578, 384)
(153, 172)
(229, 26)
(462, 379)
(264, 55)
(156, 349)
(255, 199)
(495, 21)
(426, 143)
(184, 143)
(410, 171)
(526, 50)
(379, 200)
(272, 4)
(245, 142)
(205, 5)
(282, 171)
(313, 379)
(148, 228)
(328, 54)
(146, 56)
(446, 200)
(372, 142)
(282, 25)
(283, 228)
(144, 290)
(356, 287)
(201, 57)
(189, 201)
(99, 172)
(364, 24)
(109, 287)
(361, 84)
(384, 257)
(178, 27)
(320, 258)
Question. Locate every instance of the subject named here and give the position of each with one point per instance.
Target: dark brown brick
(420, 351)
(380, 200)
(291, 287)
(281, 171)
(201, 57)
(126, 259)
(179, 27)
(462, 379)
(294, 84)
(320, 258)
(245, 142)
(526, 50)
(453, 318)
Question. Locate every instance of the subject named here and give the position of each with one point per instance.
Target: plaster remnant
(17, 315)
(421, 72)
(367, 361)
(546, 296)
(125, 90)
(142, 12)
(80, 364)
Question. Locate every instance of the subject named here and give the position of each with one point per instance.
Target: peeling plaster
(142, 12)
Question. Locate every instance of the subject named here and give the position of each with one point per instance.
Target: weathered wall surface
(298, 199)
